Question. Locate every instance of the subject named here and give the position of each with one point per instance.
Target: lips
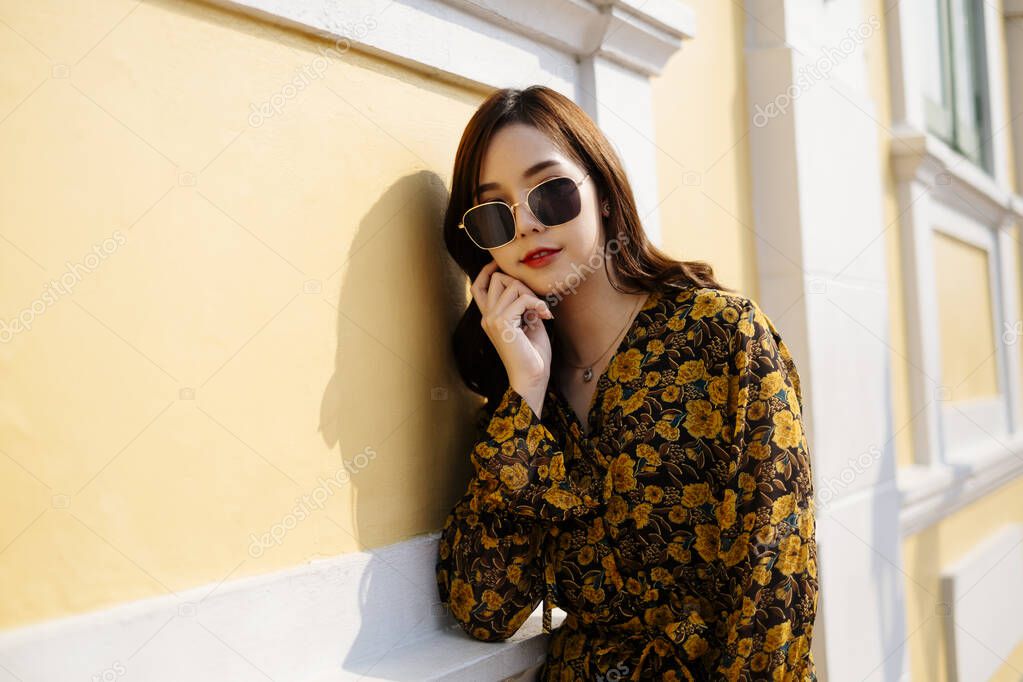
(539, 253)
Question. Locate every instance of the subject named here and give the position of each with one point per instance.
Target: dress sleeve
(765, 512)
(490, 568)
(520, 469)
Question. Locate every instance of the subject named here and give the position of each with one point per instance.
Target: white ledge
(495, 44)
(451, 654)
(955, 179)
(363, 615)
(928, 494)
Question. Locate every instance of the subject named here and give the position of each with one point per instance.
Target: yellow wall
(924, 556)
(877, 57)
(256, 276)
(965, 315)
(259, 279)
(703, 161)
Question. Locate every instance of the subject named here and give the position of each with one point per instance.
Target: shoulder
(702, 311)
(733, 328)
(710, 323)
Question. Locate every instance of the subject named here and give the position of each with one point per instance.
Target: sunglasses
(554, 201)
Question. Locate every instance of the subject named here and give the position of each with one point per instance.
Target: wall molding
(641, 36)
(447, 37)
(930, 494)
(919, 155)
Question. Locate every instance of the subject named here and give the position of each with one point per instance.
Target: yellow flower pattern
(678, 535)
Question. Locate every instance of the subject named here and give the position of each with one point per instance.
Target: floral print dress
(677, 534)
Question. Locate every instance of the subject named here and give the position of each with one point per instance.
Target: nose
(525, 222)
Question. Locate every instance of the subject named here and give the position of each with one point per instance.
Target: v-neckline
(623, 345)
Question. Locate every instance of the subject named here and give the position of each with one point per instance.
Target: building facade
(229, 433)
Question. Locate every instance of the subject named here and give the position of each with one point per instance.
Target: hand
(511, 318)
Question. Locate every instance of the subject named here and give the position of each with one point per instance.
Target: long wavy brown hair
(638, 263)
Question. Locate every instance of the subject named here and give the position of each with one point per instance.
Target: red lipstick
(537, 258)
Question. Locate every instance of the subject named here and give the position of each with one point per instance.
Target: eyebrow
(532, 170)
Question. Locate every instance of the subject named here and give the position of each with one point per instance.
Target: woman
(640, 461)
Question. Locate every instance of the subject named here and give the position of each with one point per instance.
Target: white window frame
(943, 118)
(940, 190)
(964, 423)
(908, 62)
(1013, 13)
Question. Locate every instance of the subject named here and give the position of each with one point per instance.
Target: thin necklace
(588, 369)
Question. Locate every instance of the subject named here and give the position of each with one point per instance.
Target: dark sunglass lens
(490, 225)
(555, 201)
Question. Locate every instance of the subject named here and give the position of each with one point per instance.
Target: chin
(548, 283)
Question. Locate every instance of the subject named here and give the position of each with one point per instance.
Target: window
(955, 83)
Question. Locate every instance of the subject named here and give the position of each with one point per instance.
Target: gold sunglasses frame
(511, 207)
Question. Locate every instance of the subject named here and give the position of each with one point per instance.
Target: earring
(607, 208)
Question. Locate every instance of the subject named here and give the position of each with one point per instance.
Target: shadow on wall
(395, 412)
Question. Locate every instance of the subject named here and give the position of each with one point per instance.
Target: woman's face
(513, 151)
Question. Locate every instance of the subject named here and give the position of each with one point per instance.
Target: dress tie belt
(665, 640)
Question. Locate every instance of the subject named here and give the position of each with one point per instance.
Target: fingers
(518, 306)
(506, 302)
(481, 285)
(498, 283)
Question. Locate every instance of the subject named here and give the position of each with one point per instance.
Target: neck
(593, 317)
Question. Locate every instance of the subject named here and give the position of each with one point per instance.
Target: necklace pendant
(587, 374)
